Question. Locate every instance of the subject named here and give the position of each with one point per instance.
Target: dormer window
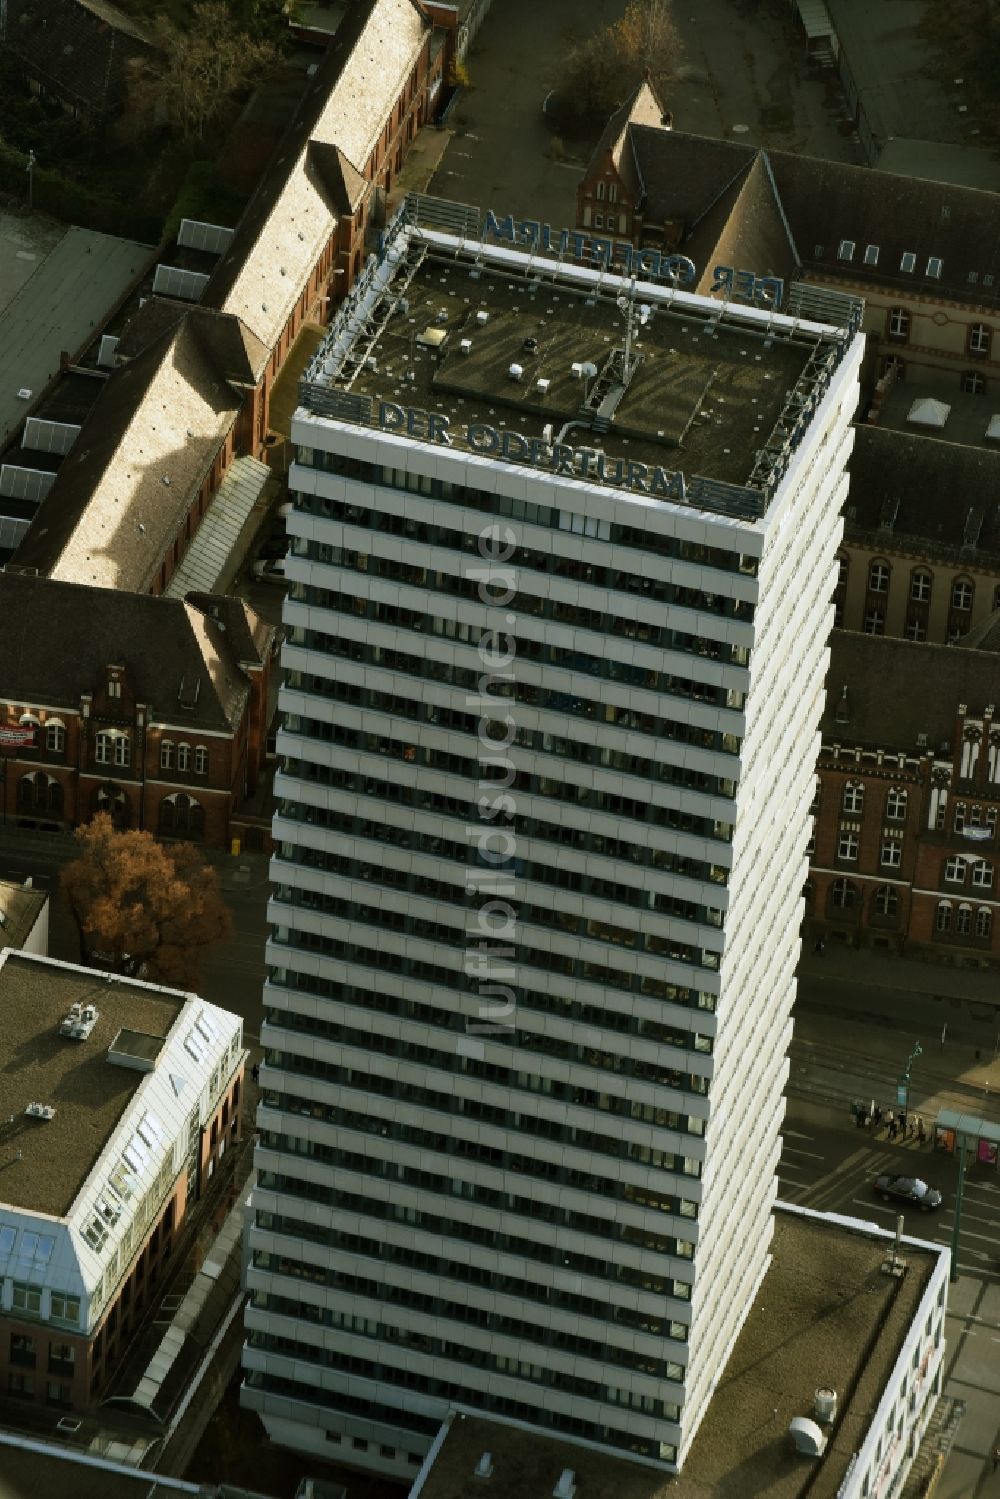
(845, 250)
(934, 267)
(871, 255)
(908, 262)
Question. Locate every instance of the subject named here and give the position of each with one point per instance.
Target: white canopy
(926, 412)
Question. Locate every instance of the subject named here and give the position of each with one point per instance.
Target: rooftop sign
(611, 254)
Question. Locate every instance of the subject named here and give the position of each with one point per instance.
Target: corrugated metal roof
(205, 559)
(61, 306)
(815, 18)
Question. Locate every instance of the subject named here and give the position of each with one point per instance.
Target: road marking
(813, 1155)
(794, 1134)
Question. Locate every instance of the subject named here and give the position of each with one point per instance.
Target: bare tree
(600, 71)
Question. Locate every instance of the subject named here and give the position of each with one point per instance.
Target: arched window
(984, 922)
(843, 895)
(895, 804)
(878, 577)
(942, 920)
(200, 760)
(183, 757)
(854, 796)
(921, 583)
(112, 799)
(181, 816)
(166, 754)
(886, 901)
(963, 591)
(963, 920)
(39, 793)
(55, 736)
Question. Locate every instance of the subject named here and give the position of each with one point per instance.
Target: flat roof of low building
(71, 293)
(548, 351)
(46, 1161)
(825, 1316)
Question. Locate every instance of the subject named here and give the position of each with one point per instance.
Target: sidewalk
(886, 970)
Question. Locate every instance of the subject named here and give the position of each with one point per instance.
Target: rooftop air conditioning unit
(576, 370)
(482, 316)
(465, 346)
(24, 394)
(807, 1436)
(40, 1111)
(542, 386)
(515, 372)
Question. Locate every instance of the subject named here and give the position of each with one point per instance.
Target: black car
(908, 1189)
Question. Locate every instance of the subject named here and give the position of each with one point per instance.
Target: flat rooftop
(44, 1162)
(20, 908)
(965, 421)
(825, 1316)
(531, 346)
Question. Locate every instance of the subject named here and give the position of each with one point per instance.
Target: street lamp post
(903, 1088)
(31, 180)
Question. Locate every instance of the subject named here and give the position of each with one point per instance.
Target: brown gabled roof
(232, 348)
(898, 690)
(79, 49)
(122, 492)
(922, 490)
(642, 107)
(59, 639)
(830, 203)
(251, 638)
(342, 182)
(743, 228)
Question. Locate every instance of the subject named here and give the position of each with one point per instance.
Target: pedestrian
(889, 1122)
(996, 1458)
(820, 947)
(921, 1132)
(877, 1115)
(255, 1072)
(892, 1129)
(902, 1125)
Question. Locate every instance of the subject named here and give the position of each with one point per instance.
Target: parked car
(270, 570)
(908, 1189)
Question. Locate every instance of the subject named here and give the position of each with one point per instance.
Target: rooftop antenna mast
(626, 304)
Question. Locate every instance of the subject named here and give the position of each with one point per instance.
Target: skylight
(871, 255)
(934, 265)
(845, 250)
(908, 261)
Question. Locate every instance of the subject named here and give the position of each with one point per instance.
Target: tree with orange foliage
(602, 69)
(143, 907)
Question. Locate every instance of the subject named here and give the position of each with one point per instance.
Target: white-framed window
(112, 748)
(612, 192)
(598, 221)
(982, 875)
(843, 567)
(183, 757)
(915, 629)
(65, 1308)
(878, 577)
(875, 622)
(200, 760)
(984, 922)
(942, 920)
(892, 853)
(973, 383)
(899, 323)
(26, 1298)
(921, 583)
(871, 255)
(962, 594)
(114, 687)
(166, 754)
(979, 339)
(959, 817)
(908, 261)
(954, 871)
(843, 895)
(853, 799)
(963, 920)
(845, 250)
(600, 189)
(895, 803)
(886, 901)
(847, 844)
(55, 736)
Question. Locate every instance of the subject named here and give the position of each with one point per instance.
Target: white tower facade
(550, 718)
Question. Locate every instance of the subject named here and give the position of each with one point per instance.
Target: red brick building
(151, 709)
(905, 851)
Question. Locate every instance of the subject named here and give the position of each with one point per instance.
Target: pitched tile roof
(920, 492)
(60, 637)
(250, 636)
(292, 214)
(642, 107)
(827, 203)
(898, 690)
(79, 49)
(122, 494)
